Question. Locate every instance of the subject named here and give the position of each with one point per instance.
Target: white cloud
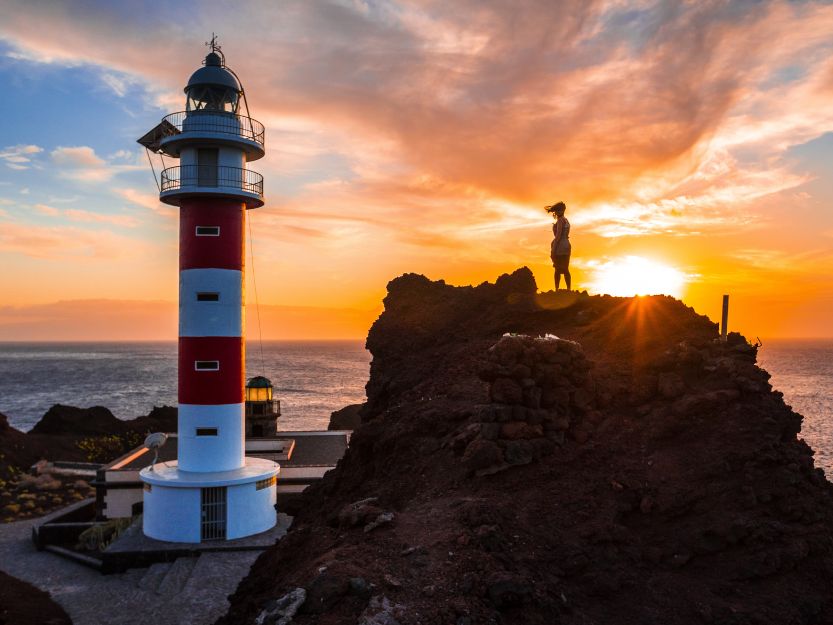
(119, 84)
(82, 164)
(19, 156)
(79, 156)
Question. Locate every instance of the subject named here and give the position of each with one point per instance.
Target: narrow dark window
(208, 231)
(206, 431)
(207, 160)
(206, 365)
(208, 297)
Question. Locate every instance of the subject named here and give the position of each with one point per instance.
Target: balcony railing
(217, 122)
(222, 177)
(263, 408)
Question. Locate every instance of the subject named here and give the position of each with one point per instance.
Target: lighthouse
(213, 491)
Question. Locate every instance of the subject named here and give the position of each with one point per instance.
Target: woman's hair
(558, 208)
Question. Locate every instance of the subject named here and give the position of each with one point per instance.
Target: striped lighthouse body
(211, 335)
(213, 491)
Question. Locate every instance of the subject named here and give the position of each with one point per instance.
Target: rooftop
(297, 449)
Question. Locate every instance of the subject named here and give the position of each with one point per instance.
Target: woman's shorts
(561, 263)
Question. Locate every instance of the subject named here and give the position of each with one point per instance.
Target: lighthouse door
(213, 513)
(207, 167)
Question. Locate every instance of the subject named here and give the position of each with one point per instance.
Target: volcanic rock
(660, 480)
(60, 419)
(347, 418)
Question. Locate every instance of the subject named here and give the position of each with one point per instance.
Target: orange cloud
(427, 135)
(147, 200)
(65, 242)
(108, 319)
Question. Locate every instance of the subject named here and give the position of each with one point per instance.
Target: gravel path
(190, 591)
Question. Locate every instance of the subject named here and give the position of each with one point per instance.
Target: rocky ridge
(633, 470)
(64, 433)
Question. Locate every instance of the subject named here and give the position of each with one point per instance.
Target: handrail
(217, 121)
(183, 176)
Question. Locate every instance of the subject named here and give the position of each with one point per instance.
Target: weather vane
(215, 47)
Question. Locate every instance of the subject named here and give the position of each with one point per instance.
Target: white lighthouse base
(190, 507)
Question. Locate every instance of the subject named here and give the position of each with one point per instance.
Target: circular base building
(190, 507)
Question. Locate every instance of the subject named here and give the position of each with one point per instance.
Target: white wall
(250, 511)
(223, 452)
(172, 514)
(222, 318)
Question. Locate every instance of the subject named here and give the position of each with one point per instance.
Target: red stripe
(211, 387)
(223, 252)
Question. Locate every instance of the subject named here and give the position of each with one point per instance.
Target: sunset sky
(692, 140)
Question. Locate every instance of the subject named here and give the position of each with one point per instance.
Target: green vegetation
(98, 537)
(106, 448)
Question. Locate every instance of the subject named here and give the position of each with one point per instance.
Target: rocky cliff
(556, 458)
(65, 433)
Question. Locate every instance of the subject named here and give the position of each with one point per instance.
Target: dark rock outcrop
(23, 604)
(347, 418)
(65, 433)
(634, 470)
(60, 419)
(99, 421)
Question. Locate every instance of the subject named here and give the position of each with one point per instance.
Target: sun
(634, 275)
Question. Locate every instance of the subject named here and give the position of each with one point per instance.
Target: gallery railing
(217, 122)
(236, 178)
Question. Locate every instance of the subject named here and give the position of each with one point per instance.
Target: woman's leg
(562, 268)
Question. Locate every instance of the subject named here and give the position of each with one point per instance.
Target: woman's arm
(558, 229)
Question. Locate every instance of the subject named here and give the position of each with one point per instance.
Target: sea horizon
(313, 378)
(250, 342)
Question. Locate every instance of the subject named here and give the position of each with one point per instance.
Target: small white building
(304, 458)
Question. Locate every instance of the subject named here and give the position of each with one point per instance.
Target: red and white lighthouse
(213, 491)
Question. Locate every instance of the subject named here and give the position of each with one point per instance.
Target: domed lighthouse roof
(214, 74)
(259, 382)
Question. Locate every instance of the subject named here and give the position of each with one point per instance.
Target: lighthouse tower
(213, 491)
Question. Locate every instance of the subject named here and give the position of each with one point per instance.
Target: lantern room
(213, 88)
(259, 389)
(262, 410)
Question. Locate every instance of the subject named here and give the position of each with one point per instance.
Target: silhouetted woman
(560, 249)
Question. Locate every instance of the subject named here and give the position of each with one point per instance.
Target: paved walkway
(189, 591)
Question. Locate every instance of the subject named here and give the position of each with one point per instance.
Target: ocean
(312, 379)
(802, 369)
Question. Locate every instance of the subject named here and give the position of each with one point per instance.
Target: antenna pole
(724, 321)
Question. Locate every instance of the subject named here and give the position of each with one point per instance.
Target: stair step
(176, 578)
(155, 574)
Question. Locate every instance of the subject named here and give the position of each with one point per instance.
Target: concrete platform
(188, 590)
(133, 549)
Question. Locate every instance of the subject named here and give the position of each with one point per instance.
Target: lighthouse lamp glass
(259, 394)
(212, 98)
